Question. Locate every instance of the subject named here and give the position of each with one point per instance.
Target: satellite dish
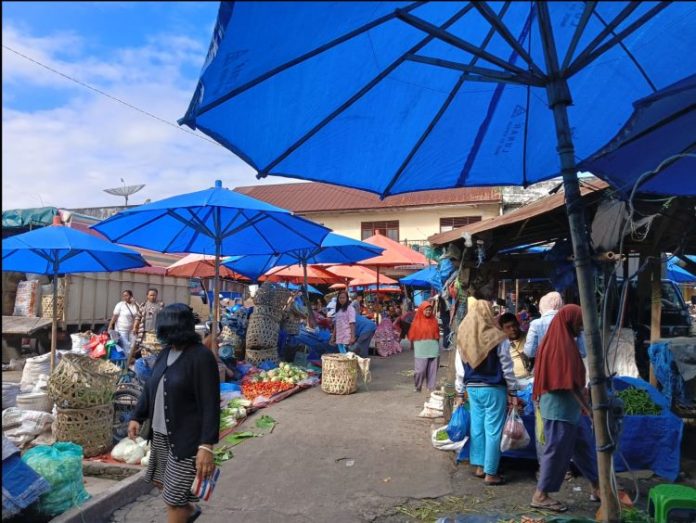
(125, 191)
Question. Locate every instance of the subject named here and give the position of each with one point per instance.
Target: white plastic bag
(429, 412)
(129, 451)
(33, 369)
(446, 444)
(23, 426)
(515, 435)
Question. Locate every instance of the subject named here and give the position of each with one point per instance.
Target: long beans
(637, 402)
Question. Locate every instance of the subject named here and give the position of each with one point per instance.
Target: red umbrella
(296, 274)
(200, 266)
(395, 254)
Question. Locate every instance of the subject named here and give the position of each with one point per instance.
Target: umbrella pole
(310, 313)
(377, 295)
(54, 324)
(216, 299)
(559, 98)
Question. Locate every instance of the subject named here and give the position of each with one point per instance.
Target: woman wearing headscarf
(425, 335)
(485, 368)
(559, 387)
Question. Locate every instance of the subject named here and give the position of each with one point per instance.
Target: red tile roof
(317, 197)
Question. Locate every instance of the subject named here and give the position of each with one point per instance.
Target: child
(343, 332)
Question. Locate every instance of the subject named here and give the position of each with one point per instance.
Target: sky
(63, 143)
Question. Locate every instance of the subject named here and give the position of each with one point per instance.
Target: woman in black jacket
(182, 398)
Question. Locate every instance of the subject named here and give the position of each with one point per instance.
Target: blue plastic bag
(458, 426)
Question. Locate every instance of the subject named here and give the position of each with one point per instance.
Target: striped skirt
(176, 476)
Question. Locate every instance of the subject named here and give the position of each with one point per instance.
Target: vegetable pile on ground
(637, 402)
(235, 410)
(252, 390)
(286, 372)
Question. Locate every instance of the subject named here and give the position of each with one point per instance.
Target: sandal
(495, 482)
(549, 504)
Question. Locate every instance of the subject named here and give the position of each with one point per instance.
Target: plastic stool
(672, 504)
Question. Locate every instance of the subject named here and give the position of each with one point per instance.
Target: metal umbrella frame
(57, 250)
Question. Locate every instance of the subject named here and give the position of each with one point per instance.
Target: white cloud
(67, 155)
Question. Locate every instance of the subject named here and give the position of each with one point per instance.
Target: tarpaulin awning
(36, 217)
(424, 279)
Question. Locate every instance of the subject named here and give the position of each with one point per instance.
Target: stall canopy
(28, 218)
(296, 274)
(423, 279)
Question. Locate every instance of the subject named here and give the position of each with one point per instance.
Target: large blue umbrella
(214, 221)
(394, 97)
(661, 132)
(423, 279)
(58, 250)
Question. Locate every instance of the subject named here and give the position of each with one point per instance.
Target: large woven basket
(90, 428)
(258, 356)
(47, 306)
(291, 327)
(339, 375)
(272, 295)
(267, 310)
(79, 382)
(262, 332)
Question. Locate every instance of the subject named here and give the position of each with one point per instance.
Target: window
(447, 224)
(389, 229)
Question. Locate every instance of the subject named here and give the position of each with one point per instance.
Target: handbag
(203, 488)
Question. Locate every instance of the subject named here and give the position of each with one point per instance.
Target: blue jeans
(343, 348)
(488, 409)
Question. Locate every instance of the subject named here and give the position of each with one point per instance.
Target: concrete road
(362, 457)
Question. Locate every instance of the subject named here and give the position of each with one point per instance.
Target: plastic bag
(458, 426)
(61, 466)
(33, 369)
(446, 444)
(129, 451)
(515, 435)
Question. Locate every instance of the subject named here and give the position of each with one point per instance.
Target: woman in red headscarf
(559, 385)
(425, 335)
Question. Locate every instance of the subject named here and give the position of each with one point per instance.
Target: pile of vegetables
(286, 373)
(235, 410)
(441, 435)
(637, 402)
(252, 390)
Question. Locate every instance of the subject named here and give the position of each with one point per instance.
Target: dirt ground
(366, 457)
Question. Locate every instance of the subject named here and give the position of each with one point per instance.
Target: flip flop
(495, 483)
(194, 516)
(549, 504)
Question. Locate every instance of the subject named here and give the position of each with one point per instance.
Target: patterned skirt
(176, 476)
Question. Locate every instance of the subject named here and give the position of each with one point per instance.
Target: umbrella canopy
(352, 272)
(394, 253)
(296, 274)
(200, 266)
(372, 280)
(661, 127)
(310, 289)
(373, 288)
(253, 266)
(423, 279)
(676, 273)
(214, 221)
(58, 250)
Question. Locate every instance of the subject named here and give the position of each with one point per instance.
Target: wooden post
(655, 308)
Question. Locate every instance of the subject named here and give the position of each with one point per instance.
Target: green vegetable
(266, 423)
(237, 437)
(222, 454)
(637, 402)
(441, 435)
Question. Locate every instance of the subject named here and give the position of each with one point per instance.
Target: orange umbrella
(373, 280)
(200, 266)
(394, 254)
(296, 274)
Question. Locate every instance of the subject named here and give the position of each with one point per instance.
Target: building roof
(539, 207)
(318, 197)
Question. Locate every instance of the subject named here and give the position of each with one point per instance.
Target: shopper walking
(343, 332)
(559, 387)
(144, 331)
(485, 369)
(424, 333)
(123, 319)
(182, 398)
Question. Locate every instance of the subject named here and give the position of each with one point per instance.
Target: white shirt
(126, 316)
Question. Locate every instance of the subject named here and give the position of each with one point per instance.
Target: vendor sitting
(515, 343)
(364, 331)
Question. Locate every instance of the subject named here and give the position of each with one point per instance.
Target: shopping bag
(515, 435)
(539, 426)
(458, 426)
(441, 443)
(203, 488)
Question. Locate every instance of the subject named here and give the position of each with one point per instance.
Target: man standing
(144, 328)
(515, 342)
(364, 331)
(357, 303)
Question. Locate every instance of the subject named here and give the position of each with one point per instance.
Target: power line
(99, 91)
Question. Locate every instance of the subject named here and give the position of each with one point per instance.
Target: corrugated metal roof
(537, 208)
(317, 197)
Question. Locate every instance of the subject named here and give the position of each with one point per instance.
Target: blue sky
(63, 143)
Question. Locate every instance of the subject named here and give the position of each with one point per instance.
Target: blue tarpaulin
(676, 273)
(425, 278)
(393, 97)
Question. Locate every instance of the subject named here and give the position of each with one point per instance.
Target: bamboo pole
(54, 324)
(655, 309)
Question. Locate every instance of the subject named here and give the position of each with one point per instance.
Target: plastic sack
(458, 426)
(61, 465)
(515, 435)
(22, 427)
(129, 451)
(9, 394)
(33, 369)
(446, 444)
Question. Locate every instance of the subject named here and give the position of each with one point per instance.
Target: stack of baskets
(339, 374)
(47, 306)
(264, 323)
(83, 389)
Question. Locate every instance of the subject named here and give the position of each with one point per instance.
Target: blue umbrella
(424, 279)
(310, 288)
(58, 250)
(661, 130)
(393, 97)
(214, 221)
(677, 273)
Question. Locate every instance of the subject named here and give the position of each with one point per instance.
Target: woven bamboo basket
(339, 375)
(90, 428)
(272, 295)
(47, 306)
(291, 327)
(80, 382)
(258, 356)
(267, 310)
(262, 332)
